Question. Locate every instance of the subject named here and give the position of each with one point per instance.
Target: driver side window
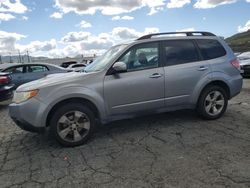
(142, 56)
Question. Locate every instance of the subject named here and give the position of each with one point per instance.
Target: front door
(141, 88)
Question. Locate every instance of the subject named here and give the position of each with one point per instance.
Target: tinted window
(210, 49)
(180, 51)
(14, 70)
(75, 66)
(141, 56)
(36, 68)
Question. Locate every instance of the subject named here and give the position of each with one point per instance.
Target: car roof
(244, 54)
(9, 65)
(183, 35)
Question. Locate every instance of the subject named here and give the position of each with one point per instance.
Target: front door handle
(202, 68)
(155, 75)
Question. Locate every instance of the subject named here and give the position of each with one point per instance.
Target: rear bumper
(235, 86)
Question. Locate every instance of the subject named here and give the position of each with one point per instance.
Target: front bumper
(245, 70)
(29, 115)
(6, 92)
(27, 127)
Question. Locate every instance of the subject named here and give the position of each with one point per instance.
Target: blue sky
(52, 28)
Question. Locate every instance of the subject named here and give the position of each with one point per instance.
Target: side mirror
(120, 67)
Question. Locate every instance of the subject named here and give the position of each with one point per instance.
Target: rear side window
(210, 49)
(180, 51)
(36, 68)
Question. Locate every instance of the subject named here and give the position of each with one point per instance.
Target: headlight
(22, 96)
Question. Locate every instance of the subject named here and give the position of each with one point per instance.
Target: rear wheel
(72, 124)
(212, 102)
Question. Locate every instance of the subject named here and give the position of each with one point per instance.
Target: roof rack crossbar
(188, 33)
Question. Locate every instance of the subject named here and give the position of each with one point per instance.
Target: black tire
(203, 103)
(88, 118)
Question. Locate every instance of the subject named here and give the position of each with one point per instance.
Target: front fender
(64, 93)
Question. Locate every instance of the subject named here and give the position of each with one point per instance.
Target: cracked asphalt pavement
(174, 149)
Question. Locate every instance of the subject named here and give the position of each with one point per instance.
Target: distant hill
(240, 42)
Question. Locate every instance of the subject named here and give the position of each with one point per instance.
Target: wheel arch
(220, 83)
(83, 101)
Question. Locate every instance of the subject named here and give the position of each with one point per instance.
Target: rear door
(34, 72)
(184, 69)
(141, 88)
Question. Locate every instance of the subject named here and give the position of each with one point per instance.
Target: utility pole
(20, 60)
(10, 58)
(28, 56)
(1, 59)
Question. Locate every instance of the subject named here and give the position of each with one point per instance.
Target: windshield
(101, 62)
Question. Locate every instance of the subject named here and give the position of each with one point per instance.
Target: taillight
(4, 79)
(236, 64)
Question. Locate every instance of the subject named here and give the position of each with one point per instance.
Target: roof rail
(188, 33)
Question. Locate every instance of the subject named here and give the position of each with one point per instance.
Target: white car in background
(77, 67)
(244, 59)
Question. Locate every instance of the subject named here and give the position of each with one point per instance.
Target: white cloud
(248, 1)
(203, 4)
(108, 7)
(186, 29)
(12, 6)
(154, 10)
(125, 33)
(6, 17)
(8, 41)
(37, 48)
(56, 15)
(72, 44)
(85, 42)
(177, 3)
(84, 24)
(244, 28)
(25, 18)
(122, 18)
(75, 37)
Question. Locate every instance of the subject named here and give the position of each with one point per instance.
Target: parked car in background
(155, 73)
(23, 73)
(68, 63)
(77, 67)
(244, 59)
(6, 86)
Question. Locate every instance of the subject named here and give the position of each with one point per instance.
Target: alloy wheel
(214, 103)
(73, 126)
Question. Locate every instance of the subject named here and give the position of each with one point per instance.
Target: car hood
(52, 80)
(244, 62)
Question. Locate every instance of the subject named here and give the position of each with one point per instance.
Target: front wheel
(212, 102)
(72, 124)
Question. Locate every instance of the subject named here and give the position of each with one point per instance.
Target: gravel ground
(174, 149)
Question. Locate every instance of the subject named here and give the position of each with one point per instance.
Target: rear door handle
(155, 75)
(202, 68)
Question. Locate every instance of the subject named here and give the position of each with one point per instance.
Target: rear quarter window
(210, 49)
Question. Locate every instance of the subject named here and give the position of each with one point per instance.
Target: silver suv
(155, 73)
